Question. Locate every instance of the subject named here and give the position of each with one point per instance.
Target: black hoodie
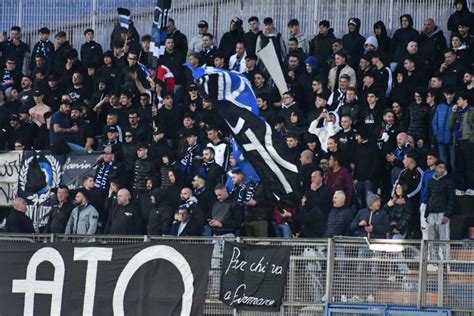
(230, 39)
(458, 16)
(383, 39)
(401, 38)
(354, 43)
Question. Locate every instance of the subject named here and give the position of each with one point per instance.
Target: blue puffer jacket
(440, 124)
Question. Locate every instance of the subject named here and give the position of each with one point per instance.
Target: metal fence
(74, 17)
(336, 271)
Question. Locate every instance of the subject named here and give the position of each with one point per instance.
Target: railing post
(390, 16)
(329, 268)
(94, 14)
(20, 12)
(421, 295)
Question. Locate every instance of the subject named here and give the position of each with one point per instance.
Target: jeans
(368, 272)
(402, 267)
(438, 231)
(447, 154)
(464, 171)
(76, 148)
(283, 230)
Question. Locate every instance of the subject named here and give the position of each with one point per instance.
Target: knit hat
(373, 41)
(371, 198)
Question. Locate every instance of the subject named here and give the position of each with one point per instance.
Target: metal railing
(74, 17)
(423, 274)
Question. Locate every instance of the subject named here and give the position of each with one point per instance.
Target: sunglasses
(127, 136)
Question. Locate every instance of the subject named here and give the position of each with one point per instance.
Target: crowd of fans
(381, 129)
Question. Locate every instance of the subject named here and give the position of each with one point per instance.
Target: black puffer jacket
(419, 121)
(339, 221)
(399, 215)
(440, 195)
(144, 169)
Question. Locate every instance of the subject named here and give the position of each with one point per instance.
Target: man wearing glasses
(133, 75)
(10, 75)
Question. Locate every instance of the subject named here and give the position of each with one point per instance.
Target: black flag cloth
(263, 148)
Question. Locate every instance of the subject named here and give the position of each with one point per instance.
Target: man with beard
(61, 131)
(191, 158)
(26, 94)
(190, 202)
(84, 136)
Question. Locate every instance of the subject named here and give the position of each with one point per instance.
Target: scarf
(188, 157)
(103, 175)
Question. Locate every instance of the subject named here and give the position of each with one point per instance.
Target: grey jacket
(83, 221)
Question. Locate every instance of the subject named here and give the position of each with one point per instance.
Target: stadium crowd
(381, 128)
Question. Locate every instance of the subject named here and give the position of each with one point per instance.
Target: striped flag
(158, 28)
(145, 69)
(124, 17)
(266, 150)
(231, 86)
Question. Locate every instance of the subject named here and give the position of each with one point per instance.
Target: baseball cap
(37, 93)
(203, 23)
(112, 129)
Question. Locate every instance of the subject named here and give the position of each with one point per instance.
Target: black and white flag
(158, 28)
(263, 148)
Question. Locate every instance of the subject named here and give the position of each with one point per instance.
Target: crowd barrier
(74, 17)
(327, 272)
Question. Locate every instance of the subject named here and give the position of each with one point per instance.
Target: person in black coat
(160, 216)
(186, 226)
(461, 14)
(91, 51)
(204, 194)
(124, 218)
(353, 42)
(180, 40)
(383, 39)
(210, 170)
(405, 34)
(59, 214)
(231, 38)
(17, 221)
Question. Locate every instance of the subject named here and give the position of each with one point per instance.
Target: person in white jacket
(330, 127)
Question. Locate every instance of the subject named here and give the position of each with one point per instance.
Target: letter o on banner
(153, 253)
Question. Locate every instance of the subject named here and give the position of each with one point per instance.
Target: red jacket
(164, 74)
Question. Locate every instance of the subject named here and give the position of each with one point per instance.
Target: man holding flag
(263, 148)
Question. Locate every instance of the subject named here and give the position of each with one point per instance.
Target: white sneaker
(431, 268)
(459, 192)
(370, 298)
(469, 192)
(356, 299)
(392, 278)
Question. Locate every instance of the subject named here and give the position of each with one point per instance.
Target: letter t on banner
(92, 255)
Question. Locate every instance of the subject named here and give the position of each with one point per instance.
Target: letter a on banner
(30, 286)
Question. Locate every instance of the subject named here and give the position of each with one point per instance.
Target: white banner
(269, 58)
(9, 168)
